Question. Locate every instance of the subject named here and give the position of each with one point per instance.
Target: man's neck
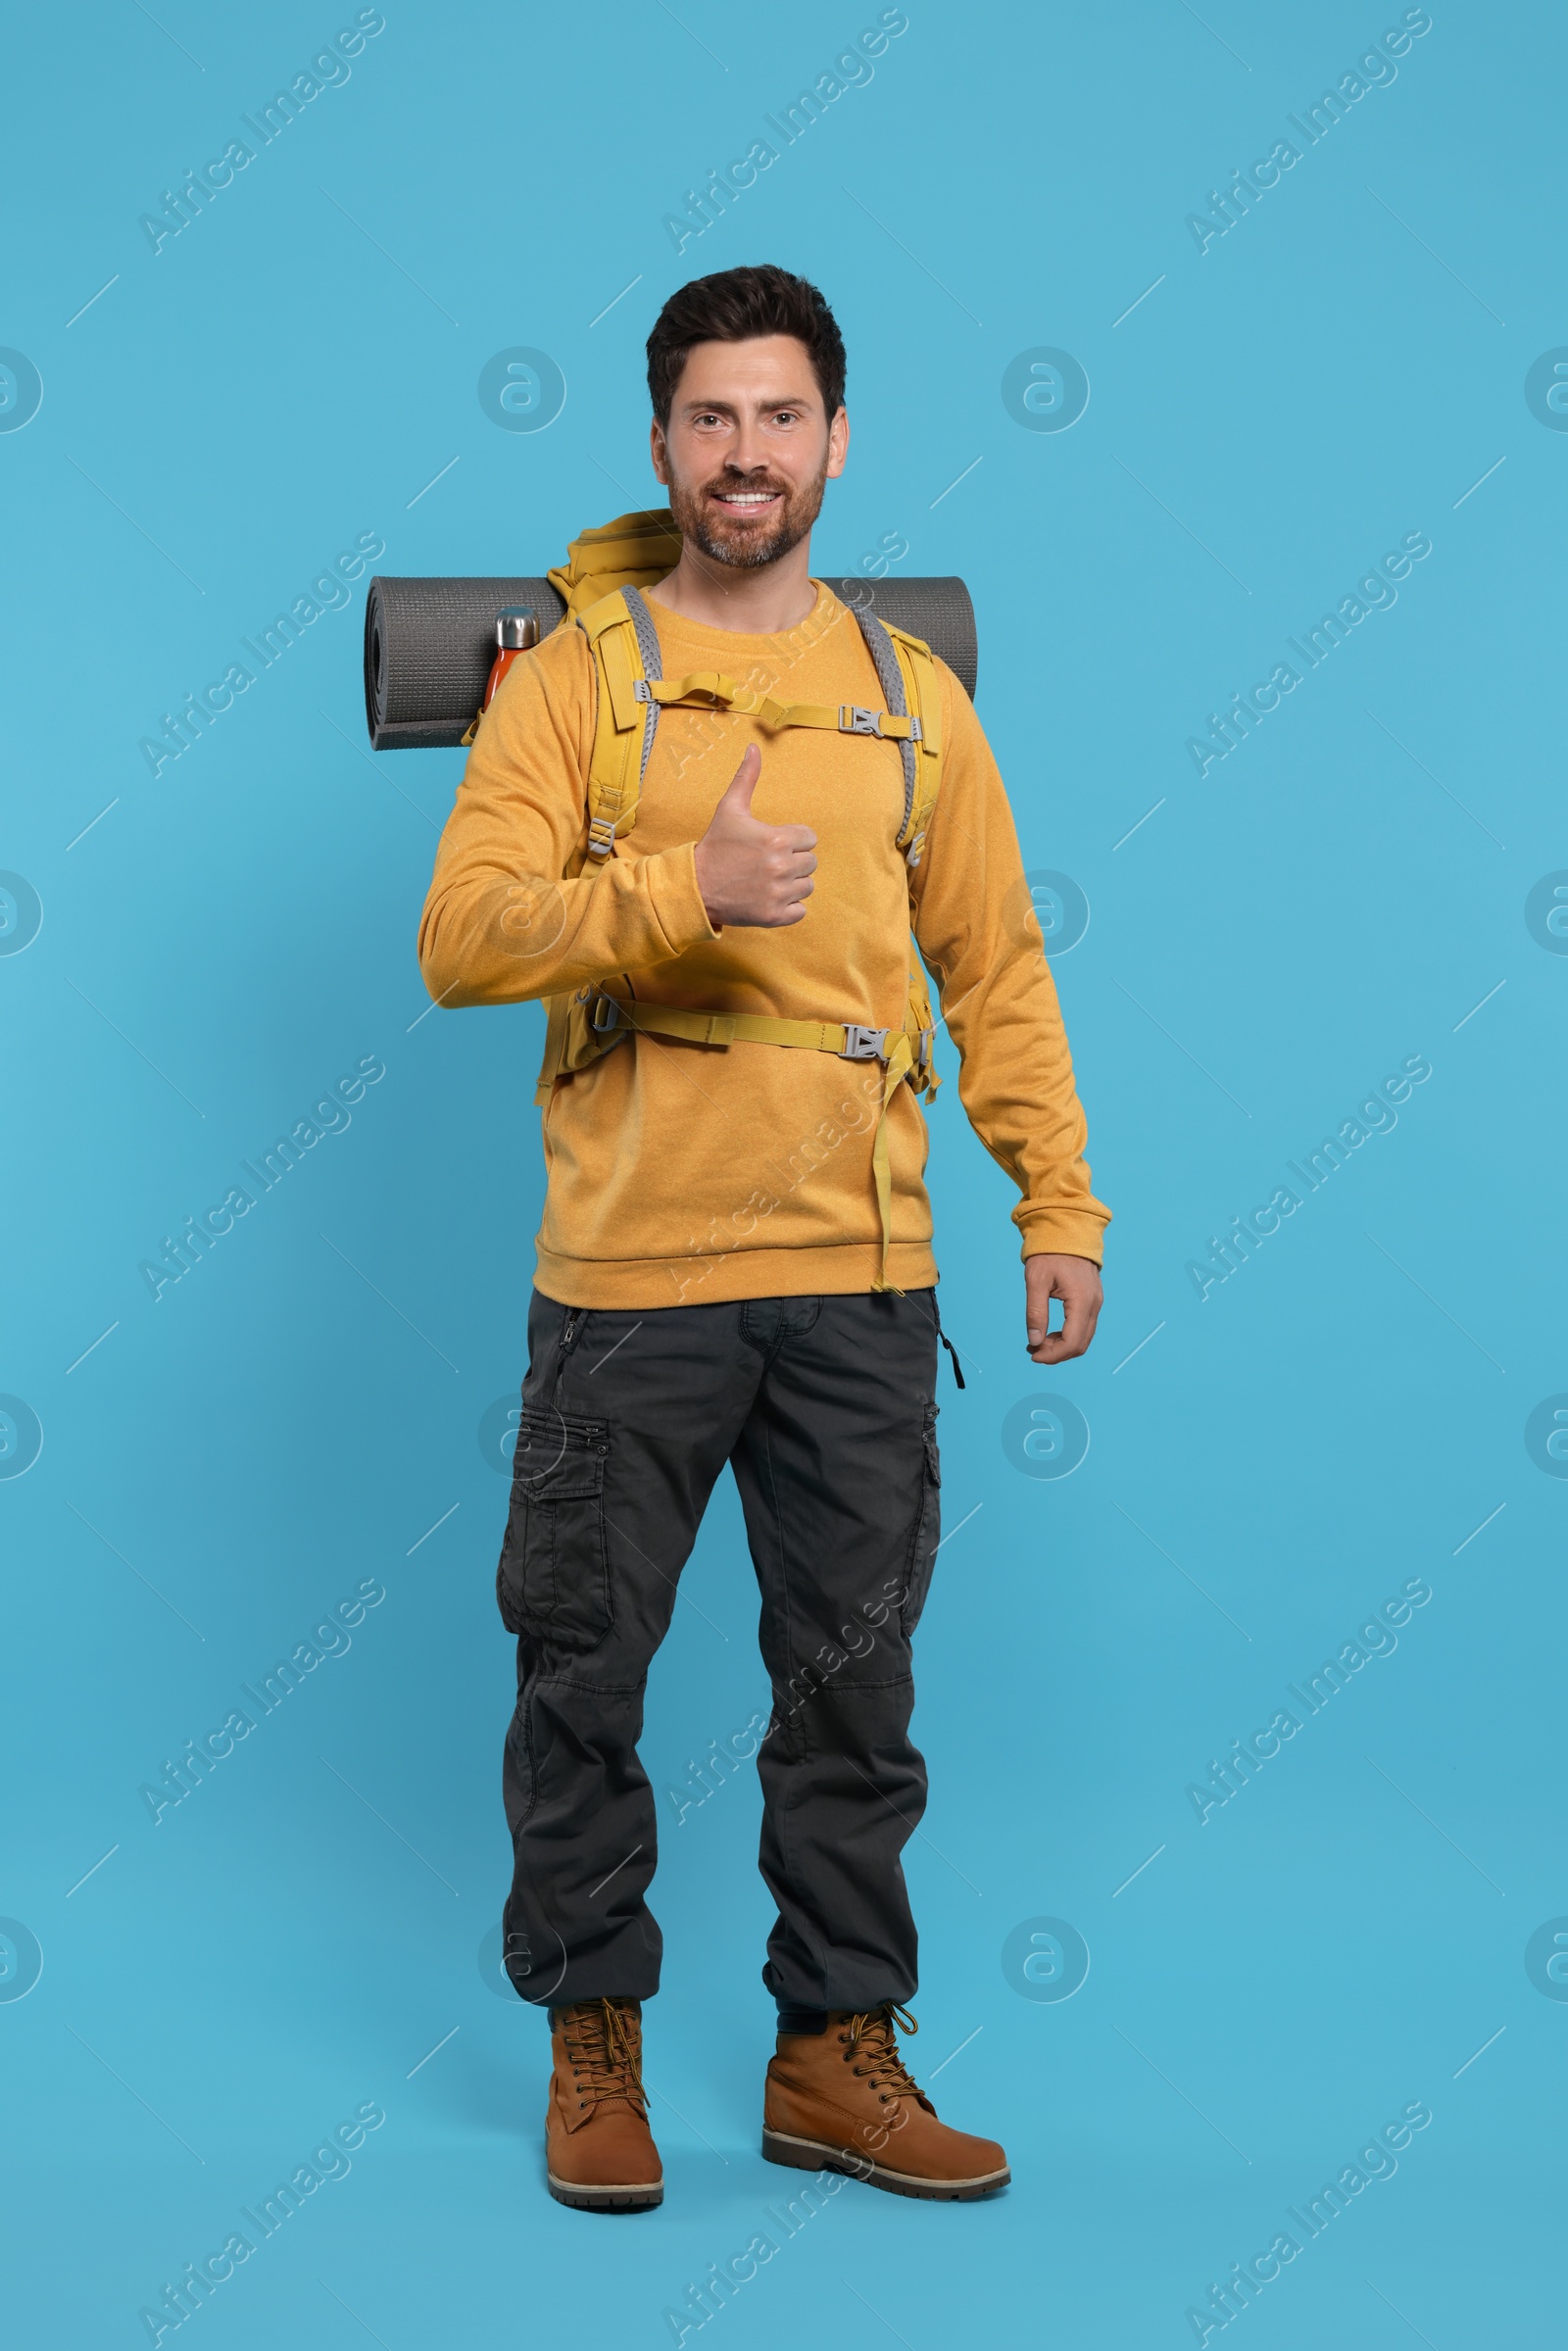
(753, 604)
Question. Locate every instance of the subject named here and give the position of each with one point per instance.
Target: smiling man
(702, 822)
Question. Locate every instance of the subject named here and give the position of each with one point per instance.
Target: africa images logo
(1045, 1436)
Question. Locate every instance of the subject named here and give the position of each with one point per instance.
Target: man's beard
(746, 546)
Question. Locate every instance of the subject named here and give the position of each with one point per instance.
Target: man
(734, 1262)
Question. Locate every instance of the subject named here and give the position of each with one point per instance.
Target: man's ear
(838, 445)
(658, 451)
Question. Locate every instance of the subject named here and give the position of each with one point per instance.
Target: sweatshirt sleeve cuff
(676, 901)
(1064, 1231)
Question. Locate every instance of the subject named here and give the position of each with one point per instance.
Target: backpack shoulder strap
(625, 645)
(908, 673)
(919, 668)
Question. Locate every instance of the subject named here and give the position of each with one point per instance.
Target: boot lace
(604, 2044)
(871, 2036)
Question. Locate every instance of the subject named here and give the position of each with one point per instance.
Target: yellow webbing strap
(904, 1054)
(558, 1012)
(714, 1028)
(710, 689)
(899, 1059)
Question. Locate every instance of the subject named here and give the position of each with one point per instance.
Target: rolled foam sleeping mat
(429, 644)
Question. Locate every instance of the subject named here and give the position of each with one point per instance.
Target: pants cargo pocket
(553, 1583)
(927, 1528)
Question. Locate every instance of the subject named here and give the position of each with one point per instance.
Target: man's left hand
(1076, 1282)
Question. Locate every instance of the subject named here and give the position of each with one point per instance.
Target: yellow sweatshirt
(680, 1173)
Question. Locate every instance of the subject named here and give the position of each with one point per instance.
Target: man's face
(748, 448)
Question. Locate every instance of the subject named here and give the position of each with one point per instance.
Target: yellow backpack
(601, 581)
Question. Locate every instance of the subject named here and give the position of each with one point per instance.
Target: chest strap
(710, 689)
(632, 693)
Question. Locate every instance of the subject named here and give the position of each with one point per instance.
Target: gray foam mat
(429, 642)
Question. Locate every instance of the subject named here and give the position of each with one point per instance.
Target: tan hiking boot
(599, 2150)
(843, 2100)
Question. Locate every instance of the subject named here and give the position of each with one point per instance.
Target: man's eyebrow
(730, 408)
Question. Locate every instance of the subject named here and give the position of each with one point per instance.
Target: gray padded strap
(879, 645)
(642, 621)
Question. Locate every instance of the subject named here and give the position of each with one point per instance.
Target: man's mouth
(745, 502)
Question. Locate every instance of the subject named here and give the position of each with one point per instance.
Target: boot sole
(816, 2155)
(642, 2198)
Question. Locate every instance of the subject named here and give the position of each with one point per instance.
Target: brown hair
(732, 307)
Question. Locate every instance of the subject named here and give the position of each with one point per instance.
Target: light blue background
(1336, 371)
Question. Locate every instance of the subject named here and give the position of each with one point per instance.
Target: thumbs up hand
(750, 873)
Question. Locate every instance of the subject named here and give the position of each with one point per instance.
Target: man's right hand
(750, 873)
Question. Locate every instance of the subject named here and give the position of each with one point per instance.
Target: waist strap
(902, 1053)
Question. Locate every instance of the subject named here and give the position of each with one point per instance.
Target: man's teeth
(747, 497)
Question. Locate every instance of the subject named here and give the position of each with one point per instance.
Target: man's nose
(747, 456)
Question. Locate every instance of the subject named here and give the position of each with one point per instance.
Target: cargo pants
(824, 1408)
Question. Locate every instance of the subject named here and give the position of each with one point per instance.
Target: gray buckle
(864, 1044)
(641, 690)
(854, 720)
(601, 1005)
